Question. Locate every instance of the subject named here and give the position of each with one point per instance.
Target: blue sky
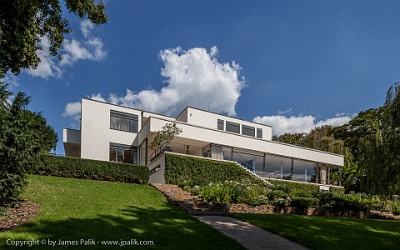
(290, 64)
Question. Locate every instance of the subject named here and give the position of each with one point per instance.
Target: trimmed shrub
(91, 169)
(303, 202)
(295, 189)
(192, 171)
(229, 191)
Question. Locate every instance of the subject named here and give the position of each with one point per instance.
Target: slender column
(323, 174)
(291, 169)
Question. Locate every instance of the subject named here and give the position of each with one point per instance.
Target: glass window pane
(233, 127)
(120, 155)
(123, 121)
(247, 130)
(259, 133)
(220, 124)
(113, 154)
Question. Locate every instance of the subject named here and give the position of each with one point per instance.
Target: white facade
(111, 132)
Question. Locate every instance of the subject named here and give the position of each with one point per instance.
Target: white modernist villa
(114, 133)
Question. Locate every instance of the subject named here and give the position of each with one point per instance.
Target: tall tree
(365, 123)
(321, 138)
(379, 153)
(24, 136)
(24, 22)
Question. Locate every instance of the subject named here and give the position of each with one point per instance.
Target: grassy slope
(321, 233)
(73, 209)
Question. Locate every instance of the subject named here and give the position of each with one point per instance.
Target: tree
(365, 123)
(294, 139)
(166, 135)
(24, 137)
(24, 22)
(379, 156)
(320, 138)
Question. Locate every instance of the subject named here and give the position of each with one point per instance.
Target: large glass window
(123, 153)
(123, 121)
(233, 127)
(220, 124)
(278, 167)
(247, 130)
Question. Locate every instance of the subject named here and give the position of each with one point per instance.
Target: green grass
(73, 209)
(318, 232)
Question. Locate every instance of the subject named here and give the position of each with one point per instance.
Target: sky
(293, 65)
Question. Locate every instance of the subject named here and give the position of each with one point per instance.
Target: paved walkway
(251, 237)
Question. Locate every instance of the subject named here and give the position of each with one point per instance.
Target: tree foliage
(365, 123)
(166, 135)
(24, 22)
(379, 156)
(24, 137)
(321, 138)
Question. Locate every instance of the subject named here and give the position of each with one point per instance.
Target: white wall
(234, 140)
(96, 134)
(71, 136)
(210, 120)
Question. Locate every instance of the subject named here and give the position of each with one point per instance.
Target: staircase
(190, 203)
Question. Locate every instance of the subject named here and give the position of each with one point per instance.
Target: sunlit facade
(110, 132)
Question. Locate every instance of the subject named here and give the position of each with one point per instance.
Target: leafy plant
(166, 135)
(24, 137)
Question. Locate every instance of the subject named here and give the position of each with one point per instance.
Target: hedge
(191, 171)
(91, 169)
(302, 189)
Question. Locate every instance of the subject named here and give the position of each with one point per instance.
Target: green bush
(295, 189)
(91, 169)
(192, 171)
(304, 202)
(229, 191)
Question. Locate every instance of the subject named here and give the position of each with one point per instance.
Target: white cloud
(11, 80)
(86, 27)
(98, 97)
(47, 66)
(73, 109)
(90, 48)
(284, 111)
(193, 78)
(334, 122)
(298, 124)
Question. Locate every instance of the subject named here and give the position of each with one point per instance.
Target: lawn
(74, 210)
(318, 232)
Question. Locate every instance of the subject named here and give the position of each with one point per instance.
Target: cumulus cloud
(90, 48)
(73, 109)
(193, 77)
(47, 66)
(86, 27)
(298, 124)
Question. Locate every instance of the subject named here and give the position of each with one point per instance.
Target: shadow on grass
(319, 232)
(168, 227)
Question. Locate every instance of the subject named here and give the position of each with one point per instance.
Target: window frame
(246, 128)
(229, 124)
(118, 148)
(220, 124)
(259, 133)
(131, 119)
